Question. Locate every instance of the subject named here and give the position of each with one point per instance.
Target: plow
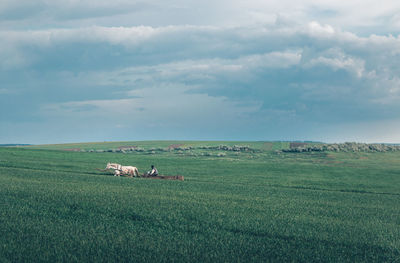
(165, 177)
(162, 177)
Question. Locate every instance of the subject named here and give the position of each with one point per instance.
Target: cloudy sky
(96, 70)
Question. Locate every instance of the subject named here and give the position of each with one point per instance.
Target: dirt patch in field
(363, 158)
(72, 149)
(327, 162)
(165, 177)
(268, 145)
(333, 162)
(174, 146)
(297, 144)
(127, 147)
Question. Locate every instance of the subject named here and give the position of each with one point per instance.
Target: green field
(257, 205)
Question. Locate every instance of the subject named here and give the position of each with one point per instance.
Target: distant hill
(13, 144)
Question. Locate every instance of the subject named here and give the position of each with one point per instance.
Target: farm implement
(162, 177)
(165, 177)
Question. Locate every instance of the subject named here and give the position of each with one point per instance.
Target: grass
(252, 207)
(157, 144)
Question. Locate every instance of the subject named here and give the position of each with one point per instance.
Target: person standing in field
(153, 171)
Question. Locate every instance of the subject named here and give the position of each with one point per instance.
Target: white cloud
(318, 30)
(343, 14)
(338, 60)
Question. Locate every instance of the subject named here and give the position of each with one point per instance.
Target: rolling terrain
(240, 201)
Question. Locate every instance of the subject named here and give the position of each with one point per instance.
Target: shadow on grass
(345, 250)
(333, 190)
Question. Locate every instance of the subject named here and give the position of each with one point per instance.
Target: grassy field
(247, 206)
(161, 144)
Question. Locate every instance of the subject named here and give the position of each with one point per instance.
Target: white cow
(122, 170)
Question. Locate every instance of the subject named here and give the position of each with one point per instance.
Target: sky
(95, 70)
